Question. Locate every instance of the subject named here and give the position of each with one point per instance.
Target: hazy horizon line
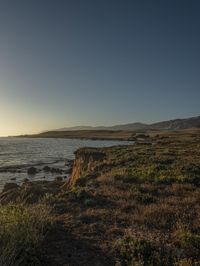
(100, 125)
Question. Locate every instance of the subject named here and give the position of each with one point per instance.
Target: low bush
(80, 193)
(144, 198)
(126, 179)
(90, 202)
(188, 242)
(142, 252)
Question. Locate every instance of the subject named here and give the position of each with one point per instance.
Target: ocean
(18, 154)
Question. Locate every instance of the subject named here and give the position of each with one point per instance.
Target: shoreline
(85, 135)
(34, 173)
(17, 170)
(118, 200)
(106, 135)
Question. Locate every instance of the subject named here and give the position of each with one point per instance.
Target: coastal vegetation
(125, 205)
(112, 134)
(22, 229)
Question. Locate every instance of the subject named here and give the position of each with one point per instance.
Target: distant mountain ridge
(176, 124)
(127, 127)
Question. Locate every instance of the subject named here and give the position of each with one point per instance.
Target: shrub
(144, 198)
(21, 230)
(142, 252)
(162, 217)
(185, 262)
(126, 179)
(90, 202)
(188, 242)
(80, 193)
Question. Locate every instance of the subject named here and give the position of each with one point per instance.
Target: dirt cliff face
(85, 164)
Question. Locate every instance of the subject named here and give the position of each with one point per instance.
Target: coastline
(113, 135)
(120, 199)
(39, 153)
(85, 135)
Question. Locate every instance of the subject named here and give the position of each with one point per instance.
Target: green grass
(22, 229)
(166, 163)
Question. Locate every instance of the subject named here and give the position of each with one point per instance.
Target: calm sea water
(18, 154)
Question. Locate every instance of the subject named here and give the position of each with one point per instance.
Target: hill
(120, 132)
(175, 124)
(128, 127)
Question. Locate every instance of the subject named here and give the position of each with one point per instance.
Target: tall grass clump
(22, 229)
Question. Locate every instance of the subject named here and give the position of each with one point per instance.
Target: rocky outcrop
(85, 164)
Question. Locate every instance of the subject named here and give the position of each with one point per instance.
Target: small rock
(32, 171)
(13, 179)
(53, 170)
(56, 170)
(69, 162)
(47, 169)
(59, 178)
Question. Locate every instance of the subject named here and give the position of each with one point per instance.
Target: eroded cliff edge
(85, 165)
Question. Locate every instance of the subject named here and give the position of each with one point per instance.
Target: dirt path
(64, 249)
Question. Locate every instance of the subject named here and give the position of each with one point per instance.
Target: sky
(97, 62)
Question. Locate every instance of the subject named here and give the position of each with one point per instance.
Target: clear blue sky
(97, 62)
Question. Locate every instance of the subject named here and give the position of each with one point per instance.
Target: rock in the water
(47, 169)
(32, 171)
(56, 170)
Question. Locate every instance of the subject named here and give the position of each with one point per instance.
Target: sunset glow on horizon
(71, 63)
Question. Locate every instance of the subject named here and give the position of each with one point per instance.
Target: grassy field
(124, 206)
